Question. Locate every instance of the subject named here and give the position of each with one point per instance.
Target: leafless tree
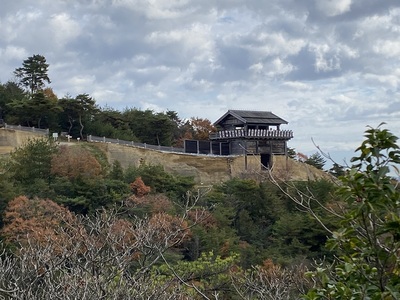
(104, 256)
(271, 282)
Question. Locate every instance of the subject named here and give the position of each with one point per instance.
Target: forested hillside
(75, 227)
(46, 188)
(67, 214)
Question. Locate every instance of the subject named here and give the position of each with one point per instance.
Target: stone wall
(11, 139)
(208, 169)
(205, 169)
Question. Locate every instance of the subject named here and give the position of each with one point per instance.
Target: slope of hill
(205, 169)
(209, 169)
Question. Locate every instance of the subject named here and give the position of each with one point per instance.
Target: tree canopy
(316, 160)
(367, 240)
(33, 73)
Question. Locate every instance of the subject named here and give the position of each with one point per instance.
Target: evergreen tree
(337, 170)
(8, 92)
(33, 73)
(32, 161)
(316, 160)
(86, 108)
(291, 152)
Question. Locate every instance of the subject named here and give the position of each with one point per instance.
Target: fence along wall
(92, 138)
(191, 146)
(206, 169)
(29, 129)
(206, 147)
(12, 138)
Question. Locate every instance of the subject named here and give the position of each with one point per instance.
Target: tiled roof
(253, 117)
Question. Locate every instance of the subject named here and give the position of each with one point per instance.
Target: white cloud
(390, 49)
(333, 7)
(151, 106)
(325, 60)
(195, 40)
(64, 28)
(389, 81)
(114, 96)
(13, 53)
(376, 23)
(296, 85)
(81, 83)
(256, 68)
(14, 23)
(278, 44)
(156, 9)
(278, 68)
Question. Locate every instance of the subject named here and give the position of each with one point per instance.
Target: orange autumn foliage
(169, 229)
(44, 223)
(138, 187)
(75, 162)
(202, 128)
(36, 219)
(37, 224)
(156, 202)
(122, 231)
(269, 269)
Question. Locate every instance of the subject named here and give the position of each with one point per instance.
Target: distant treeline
(79, 116)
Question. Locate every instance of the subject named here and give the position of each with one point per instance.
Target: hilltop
(205, 169)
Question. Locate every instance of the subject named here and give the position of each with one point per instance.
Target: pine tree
(316, 160)
(33, 73)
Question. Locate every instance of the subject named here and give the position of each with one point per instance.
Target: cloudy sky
(328, 67)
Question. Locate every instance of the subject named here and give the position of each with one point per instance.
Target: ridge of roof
(235, 114)
(246, 110)
(239, 115)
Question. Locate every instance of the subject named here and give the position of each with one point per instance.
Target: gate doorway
(265, 161)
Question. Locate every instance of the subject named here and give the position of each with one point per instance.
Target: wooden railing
(252, 133)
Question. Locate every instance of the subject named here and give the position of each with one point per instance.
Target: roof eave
(229, 112)
(237, 116)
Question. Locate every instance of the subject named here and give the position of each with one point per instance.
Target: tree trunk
(158, 140)
(80, 122)
(70, 125)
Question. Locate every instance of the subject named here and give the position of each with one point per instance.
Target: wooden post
(286, 155)
(245, 155)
